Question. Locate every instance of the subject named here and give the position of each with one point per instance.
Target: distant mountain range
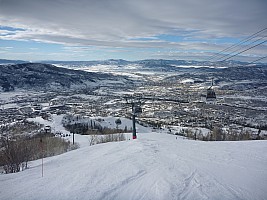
(232, 77)
(150, 63)
(5, 62)
(49, 77)
(147, 63)
(46, 76)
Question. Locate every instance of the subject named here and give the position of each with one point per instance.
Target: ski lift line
(239, 43)
(258, 60)
(144, 98)
(165, 99)
(237, 46)
(242, 47)
(244, 51)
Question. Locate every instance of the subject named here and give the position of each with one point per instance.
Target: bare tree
(11, 155)
(217, 134)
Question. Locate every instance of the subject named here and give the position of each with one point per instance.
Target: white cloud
(119, 23)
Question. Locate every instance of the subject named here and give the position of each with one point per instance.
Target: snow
(177, 129)
(7, 96)
(83, 140)
(9, 105)
(56, 126)
(189, 80)
(261, 98)
(200, 66)
(155, 166)
(85, 96)
(113, 69)
(109, 122)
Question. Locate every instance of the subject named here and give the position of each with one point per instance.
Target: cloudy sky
(131, 29)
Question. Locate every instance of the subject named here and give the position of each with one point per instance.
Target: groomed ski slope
(155, 166)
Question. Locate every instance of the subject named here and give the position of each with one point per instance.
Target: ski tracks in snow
(153, 167)
(168, 174)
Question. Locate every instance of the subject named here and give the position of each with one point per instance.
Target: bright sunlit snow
(155, 166)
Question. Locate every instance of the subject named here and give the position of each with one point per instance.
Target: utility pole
(47, 130)
(42, 150)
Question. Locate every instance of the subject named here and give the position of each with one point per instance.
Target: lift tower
(135, 103)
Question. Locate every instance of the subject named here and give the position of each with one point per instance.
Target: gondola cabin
(211, 96)
(137, 110)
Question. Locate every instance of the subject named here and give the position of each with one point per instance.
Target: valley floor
(155, 166)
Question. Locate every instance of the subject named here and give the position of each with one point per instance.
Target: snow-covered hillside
(155, 166)
(38, 76)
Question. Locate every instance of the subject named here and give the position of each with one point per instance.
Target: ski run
(154, 166)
